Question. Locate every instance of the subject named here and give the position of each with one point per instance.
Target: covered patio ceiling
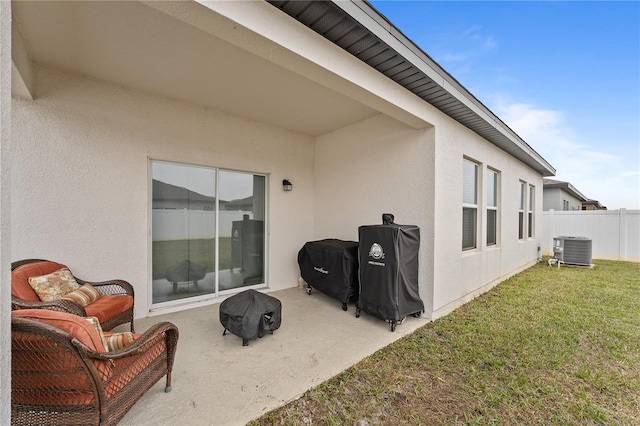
(155, 48)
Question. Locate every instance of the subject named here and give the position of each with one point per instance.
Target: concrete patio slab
(217, 381)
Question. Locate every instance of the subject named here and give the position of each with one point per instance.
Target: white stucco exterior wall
(461, 276)
(5, 211)
(381, 165)
(373, 167)
(81, 192)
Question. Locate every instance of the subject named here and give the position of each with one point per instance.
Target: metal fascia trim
(373, 21)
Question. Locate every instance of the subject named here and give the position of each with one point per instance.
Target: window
(469, 204)
(208, 231)
(523, 198)
(532, 197)
(492, 207)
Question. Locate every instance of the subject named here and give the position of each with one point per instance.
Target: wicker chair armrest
(60, 305)
(165, 330)
(110, 287)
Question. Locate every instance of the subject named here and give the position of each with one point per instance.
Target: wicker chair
(58, 378)
(115, 307)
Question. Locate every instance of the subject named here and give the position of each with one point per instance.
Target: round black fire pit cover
(186, 271)
(250, 314)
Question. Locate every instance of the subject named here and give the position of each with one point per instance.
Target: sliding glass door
(208, 231)
(241, 228)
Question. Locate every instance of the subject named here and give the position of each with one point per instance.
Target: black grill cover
(389, 270)
(331, 266)
(250, 314)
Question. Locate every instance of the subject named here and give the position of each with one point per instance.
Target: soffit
(359, 29)
(136, 46)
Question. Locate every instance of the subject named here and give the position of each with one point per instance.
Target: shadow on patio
(217, 381)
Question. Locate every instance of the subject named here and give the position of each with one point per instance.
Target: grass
(547, 347)
(202, 252)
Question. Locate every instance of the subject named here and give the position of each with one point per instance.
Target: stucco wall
(460, 276)
(377, 166)
(5, 217)
(81, 193)
(381, 165)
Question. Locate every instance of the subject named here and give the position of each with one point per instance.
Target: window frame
(218, 291)
(492, 176)
(468, 206)
(531, 212)
(521, 211)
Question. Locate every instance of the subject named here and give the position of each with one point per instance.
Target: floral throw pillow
(84, 295)
(54, 285)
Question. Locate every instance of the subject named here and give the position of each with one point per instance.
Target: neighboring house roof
(565, 186)
(361, 30)
(594, 203)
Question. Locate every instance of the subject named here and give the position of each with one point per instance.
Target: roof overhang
(361, 30)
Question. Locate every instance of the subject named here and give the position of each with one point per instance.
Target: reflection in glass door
(241, 241)
(183, 231)
(208, 231)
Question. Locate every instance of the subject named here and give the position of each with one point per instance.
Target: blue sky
(563, 75)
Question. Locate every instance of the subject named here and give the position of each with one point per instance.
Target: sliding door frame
(210, 298)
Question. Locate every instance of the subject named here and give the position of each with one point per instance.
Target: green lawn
(202, 252)
(547, 347)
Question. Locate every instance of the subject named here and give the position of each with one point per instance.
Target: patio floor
(217, 381)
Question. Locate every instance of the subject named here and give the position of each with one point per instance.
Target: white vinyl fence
(614, 234)
(192, 224)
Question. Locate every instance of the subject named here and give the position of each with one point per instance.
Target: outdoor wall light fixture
(287, 185)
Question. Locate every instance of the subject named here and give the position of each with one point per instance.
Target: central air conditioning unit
(572, 250)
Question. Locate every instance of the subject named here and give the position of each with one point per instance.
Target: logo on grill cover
(376, 251)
